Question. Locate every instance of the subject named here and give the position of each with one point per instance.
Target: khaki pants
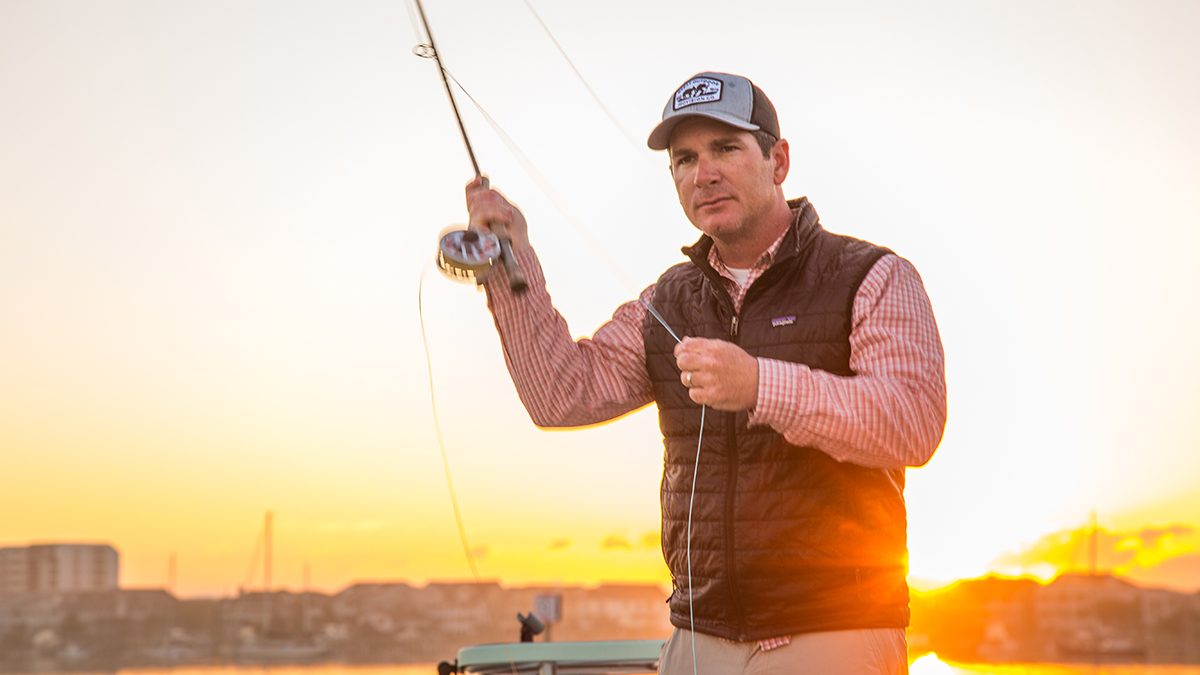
(875, 651)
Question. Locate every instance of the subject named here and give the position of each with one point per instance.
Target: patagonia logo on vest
(697, 90)
(783, 321)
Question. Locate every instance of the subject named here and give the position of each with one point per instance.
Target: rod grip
(516, 278)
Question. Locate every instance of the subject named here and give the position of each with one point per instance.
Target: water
(930, 665)
(925, 665)
(323, 669)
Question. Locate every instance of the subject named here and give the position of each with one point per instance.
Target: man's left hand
(718, 374)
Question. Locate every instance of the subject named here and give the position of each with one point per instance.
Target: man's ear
(781, 158)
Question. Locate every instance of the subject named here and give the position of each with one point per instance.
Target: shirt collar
(764, 261)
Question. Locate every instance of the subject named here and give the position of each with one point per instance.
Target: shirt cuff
(779, 393)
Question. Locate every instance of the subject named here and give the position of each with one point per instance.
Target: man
(815, 364)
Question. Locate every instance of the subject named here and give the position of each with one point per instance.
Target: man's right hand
(487, 207)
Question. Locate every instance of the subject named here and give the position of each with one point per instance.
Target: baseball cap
(731, 99)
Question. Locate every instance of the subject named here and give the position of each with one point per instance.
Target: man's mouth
(714, 201)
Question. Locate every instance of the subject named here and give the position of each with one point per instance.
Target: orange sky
(214, 218)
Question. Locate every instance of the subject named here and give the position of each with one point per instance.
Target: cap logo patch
(697, 90)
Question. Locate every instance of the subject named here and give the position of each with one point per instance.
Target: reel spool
(467, 255)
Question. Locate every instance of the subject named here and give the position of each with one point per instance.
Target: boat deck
(562, 658)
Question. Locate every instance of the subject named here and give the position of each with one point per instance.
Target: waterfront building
(14, 570)
(59, 568)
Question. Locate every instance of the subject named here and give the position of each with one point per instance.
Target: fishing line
(691, 499)
(532, 171)
(654, 312)
(544, 185)
(611, 117)
(691, 503)
(431, 51)
(412, 19)
(437, 425)
(462, 532)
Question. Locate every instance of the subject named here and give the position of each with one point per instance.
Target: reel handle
(516, 278)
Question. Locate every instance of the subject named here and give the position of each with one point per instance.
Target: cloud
(352, 526)
(1132, 553)
(560, 544)
(1181, 573)
(616, 541)
(1153, 535)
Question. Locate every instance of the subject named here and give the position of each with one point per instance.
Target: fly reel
(467, 255)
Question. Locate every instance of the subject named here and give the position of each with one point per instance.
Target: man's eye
(683, 160)
(728, 148)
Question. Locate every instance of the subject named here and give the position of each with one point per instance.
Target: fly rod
(469, 254)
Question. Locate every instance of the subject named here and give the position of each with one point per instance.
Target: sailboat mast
(1093, 549)
(267, 557)
(267, 609)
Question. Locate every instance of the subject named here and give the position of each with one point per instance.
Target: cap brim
(660, 137)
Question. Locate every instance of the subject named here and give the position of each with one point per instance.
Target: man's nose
(706, 171)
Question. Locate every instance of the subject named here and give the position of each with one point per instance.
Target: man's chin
(718, 228)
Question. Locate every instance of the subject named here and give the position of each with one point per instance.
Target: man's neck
(746, 252)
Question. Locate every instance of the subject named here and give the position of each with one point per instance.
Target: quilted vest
(785, 539)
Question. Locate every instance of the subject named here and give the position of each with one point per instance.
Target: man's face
(725, 185)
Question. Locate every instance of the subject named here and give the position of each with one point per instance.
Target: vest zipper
(739, 620)
(730, 500)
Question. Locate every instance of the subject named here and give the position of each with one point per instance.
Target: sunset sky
(215, 217)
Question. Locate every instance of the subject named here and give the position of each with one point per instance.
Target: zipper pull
(733, 326)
